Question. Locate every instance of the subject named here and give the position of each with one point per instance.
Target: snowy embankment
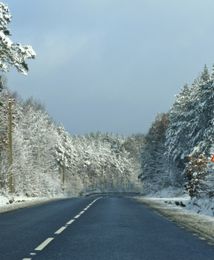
(9, 204)
(194, 215)
(202, 206)
(173, 197)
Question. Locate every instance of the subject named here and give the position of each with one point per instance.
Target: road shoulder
(200, 225)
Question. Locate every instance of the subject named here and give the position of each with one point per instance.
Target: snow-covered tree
(35, 136)
(153, 174)
(12, 54)
(190, 134)
(178, 133)
(47, 160)
(205, 76)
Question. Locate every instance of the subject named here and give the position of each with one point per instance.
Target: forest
(178, 148)
(45, 160)
(39, 158)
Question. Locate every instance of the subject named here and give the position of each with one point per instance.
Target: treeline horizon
(48, 161)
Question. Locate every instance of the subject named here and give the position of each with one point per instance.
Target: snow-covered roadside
(9, 204)
(177, 197)
(174, 209)
(203, 206)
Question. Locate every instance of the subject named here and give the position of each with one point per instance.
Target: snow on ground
(182, 211)
(203, 206)
(8, 204)
(169, 192)
(177, 197)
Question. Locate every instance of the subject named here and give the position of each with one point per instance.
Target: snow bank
(9, 204)
(168, 193)
(177, 197)
(203, 206)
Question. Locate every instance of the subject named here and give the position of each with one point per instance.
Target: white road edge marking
(44, 244)
(26, 258)
(60, 230)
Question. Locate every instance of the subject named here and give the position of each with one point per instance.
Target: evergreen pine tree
(205, 76)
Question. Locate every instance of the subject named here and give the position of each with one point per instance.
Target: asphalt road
(93, 228)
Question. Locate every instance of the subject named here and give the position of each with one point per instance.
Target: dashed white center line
(202, 238)
(44, 244)
(60, 230)
(70, 221)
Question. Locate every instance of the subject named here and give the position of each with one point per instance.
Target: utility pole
(63, 176)
(10, 147)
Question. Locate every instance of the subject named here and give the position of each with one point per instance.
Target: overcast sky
(111, 65)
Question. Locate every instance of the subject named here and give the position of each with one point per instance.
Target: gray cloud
(111, 65)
